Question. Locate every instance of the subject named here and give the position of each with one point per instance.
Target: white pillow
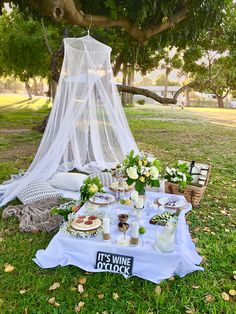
(67, 181)
(36, 191)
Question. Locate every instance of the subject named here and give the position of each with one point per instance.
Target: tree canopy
(139, 32)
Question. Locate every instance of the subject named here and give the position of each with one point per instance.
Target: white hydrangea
(132, 173)
(142, 170)
(168, 170)
(175, 179)
(154, 173)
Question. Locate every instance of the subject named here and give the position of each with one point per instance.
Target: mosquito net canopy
(87, 128)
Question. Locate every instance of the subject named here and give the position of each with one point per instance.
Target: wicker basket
(192, 193)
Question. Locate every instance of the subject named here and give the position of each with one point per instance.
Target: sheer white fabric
(87, 128)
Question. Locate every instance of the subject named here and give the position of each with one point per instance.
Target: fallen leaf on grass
(54, 286)
(209, 298)
(225, 296)
(8, 268)
(82, 280)
(190, 311)
(158, 290)
(232, 292)
(101, 296)
(80, 289)
(56, 304)
(52, 300)
(79, 307)
(235, 277)
(23, 291)
(195, 287)
(115, 296)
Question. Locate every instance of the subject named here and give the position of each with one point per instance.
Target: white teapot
(165, 241)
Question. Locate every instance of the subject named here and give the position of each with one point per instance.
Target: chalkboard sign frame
(116, 263)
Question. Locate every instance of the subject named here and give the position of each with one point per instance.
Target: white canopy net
(87, 128)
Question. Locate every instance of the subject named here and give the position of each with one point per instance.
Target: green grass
(170, 134)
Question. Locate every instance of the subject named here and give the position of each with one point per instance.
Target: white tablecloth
(149, 264)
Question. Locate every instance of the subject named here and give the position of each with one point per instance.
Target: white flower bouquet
(179, 174)
(141, 171)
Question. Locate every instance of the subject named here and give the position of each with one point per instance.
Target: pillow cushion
(67, 181)
(36, 191)
(105, 177)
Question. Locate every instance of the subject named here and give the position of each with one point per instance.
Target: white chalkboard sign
(117, 263)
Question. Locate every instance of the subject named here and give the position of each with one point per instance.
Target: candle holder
(106, 236)
(134, 241)
(106, 229)
(138, 212)
(123, 217)
(124, 239)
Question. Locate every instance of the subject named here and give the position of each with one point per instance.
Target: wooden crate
(194, 192)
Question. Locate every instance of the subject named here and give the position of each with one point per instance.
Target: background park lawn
(206, 135)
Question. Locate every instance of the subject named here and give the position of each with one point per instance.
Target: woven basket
(192, 193)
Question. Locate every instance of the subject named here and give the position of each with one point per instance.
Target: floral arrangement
(89, 188)
(179, 174)
(141, 171)
(66, 209)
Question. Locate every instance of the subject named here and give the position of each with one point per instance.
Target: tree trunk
(167, 72)
(130, 97)
(124, 82)
(220, 101)
(28, 89)
(35, 87)
(187, 104)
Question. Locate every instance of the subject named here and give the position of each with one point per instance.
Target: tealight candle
(134, 195)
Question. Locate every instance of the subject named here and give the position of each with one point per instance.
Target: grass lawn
(206, 135)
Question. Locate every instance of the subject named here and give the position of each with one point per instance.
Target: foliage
(160, 81)
(211, 60)
(66, 209)
(23, 51)
(141, 101)
(89, 188)
(141, 171)
(201, 17)
(179, 174)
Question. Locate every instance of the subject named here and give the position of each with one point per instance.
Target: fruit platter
(161, 219)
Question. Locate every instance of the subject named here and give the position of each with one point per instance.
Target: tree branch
(141, 91)
(66, 10)
(46, 37)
